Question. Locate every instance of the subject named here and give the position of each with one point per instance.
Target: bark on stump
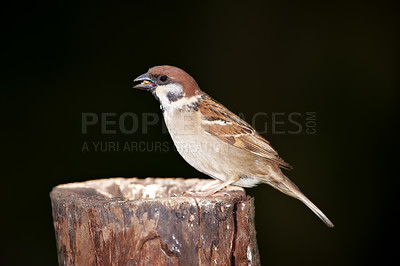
(120, 221)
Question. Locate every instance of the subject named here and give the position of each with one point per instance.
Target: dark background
(338, 59)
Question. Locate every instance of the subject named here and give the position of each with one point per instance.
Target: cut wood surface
(130, 221)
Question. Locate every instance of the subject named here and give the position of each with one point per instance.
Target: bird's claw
(200, 194)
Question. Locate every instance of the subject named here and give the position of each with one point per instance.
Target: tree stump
(120, 221)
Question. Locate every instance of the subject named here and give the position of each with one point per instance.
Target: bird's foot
(203, 194)
(212, 189)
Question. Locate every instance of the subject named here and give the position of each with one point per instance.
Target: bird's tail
(286, 186)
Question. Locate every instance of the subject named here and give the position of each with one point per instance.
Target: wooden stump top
(133, 221)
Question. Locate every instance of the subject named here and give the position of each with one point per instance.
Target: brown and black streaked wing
(218, 121)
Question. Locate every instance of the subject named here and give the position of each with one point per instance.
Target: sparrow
(214, 140)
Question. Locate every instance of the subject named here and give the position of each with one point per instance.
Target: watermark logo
(125, 123)
(265, 123)
(126, 146)
(128, 124)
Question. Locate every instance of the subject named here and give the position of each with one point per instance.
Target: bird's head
(168, 84)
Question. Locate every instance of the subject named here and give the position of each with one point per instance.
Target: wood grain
(120, 221)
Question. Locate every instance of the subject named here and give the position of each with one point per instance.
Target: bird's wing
(219, 122)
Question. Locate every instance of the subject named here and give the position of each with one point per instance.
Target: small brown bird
(214, 140)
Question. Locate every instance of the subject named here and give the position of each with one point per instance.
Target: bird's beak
(147, 83)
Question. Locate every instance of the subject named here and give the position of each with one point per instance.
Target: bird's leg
(212, 188)
(211, 184)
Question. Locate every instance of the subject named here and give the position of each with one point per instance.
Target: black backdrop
(339, 60)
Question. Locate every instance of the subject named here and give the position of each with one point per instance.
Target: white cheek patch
(172, 97)
(169, 93)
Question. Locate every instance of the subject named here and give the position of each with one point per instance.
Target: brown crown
(190, 86)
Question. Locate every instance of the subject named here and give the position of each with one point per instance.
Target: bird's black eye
(163, 78)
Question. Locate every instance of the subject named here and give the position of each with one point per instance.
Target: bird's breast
(182, 123)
